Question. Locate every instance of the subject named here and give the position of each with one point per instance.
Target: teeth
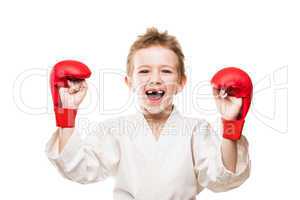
(149, 92)
(155, 91)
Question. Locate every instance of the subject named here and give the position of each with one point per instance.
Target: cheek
(172, 88)
(171, 82)
(139, 84)
(140, 79)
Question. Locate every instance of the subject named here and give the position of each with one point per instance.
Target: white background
(259, 36)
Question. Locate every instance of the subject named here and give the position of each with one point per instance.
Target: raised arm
(83, 161)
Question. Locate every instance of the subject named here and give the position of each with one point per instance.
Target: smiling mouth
(155, 95)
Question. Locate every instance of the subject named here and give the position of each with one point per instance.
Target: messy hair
(153, 37)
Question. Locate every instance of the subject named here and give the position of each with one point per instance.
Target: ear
(128, 81)
(181, 84)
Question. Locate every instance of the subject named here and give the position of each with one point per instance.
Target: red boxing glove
(60, 74)
(237, 83)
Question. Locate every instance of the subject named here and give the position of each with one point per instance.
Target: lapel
(157, 150)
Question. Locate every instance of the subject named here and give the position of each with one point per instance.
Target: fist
(232, 89)
(228, 106)
(72, 96)
(68, 89)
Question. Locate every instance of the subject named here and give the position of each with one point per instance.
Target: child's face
(155, 78)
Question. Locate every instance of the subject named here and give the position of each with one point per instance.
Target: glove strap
(65, 117)
(232, 129)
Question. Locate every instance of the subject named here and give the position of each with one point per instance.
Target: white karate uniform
(185, 160)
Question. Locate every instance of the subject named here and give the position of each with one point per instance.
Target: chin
(154, 109)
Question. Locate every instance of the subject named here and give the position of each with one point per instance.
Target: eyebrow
(168, 66)
(150, 66)
(142, 66)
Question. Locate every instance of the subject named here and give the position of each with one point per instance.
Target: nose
(155, 78)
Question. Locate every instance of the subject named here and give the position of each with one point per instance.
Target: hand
(72, 96)
(228, 106)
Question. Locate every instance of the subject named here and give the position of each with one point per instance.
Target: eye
(166, 71)
(144, 71)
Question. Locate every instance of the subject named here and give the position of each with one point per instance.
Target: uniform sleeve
(208, 164)
(85, 161)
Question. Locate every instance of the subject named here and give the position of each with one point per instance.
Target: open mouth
(155, 95)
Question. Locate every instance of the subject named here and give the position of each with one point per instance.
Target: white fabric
(185, 160)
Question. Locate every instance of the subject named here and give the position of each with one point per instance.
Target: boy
(156, 153)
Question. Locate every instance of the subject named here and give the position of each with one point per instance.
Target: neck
(158, 117)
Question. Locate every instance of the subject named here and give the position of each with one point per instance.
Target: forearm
(63, 137)
(229, 154)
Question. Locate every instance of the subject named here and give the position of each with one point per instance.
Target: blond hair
(153, 37)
